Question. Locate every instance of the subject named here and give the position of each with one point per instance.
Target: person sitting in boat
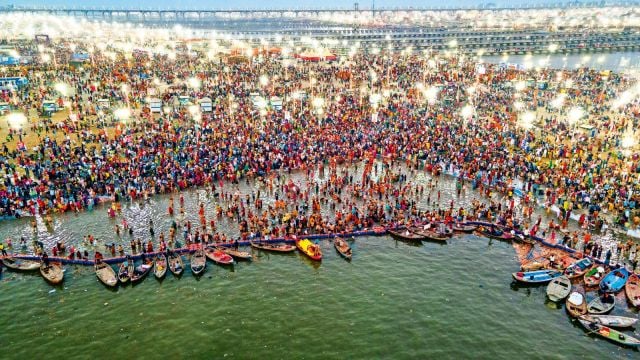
(45, 259)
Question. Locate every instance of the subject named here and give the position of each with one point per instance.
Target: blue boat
(578, 268)
(536, 277)
(614, 281)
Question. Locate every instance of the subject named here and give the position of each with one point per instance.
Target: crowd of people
(394, 108)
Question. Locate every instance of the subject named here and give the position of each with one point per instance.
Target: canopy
(318, 54)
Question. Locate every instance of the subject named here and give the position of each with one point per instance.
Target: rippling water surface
(392, 301)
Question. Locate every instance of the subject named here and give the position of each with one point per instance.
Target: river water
(615, 61)
(393, 300)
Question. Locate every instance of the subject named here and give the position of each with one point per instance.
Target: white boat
(559, 288)
(610, 320)
(600, 305)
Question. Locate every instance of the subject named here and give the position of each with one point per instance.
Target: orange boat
(310, 249)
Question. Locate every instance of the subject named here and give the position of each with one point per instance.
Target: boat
(610, 333)
(123, 272)
(593, 276)
(218, 256)
(523, 239)
(601, 305)
(310, 249)
(494, 234)
(105, 272)
(405, 234)
(632, 289)
(576, 304)
(430, 234)
(160, 266)
(342, 247)
(610, 320)
(53, 272)
(535, 264)
(441, 229)
(464, 228)
(282, 248)
(536, 277)
(198, 262)
(140, 271)
(21, 264)
(614, 281)
(578, 268)
(176, 266)
(236, 254)
(559, 288)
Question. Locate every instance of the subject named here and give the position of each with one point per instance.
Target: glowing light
(62, 88)
(264, 80)
(527, 119)
(467, 111)
(628, 140)
(558, 102)
(16, 120)
(194, 83)
(122, 114)
(575, 114)
(431, 94)
(318, 102)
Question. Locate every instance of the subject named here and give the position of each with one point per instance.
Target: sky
(255, 4)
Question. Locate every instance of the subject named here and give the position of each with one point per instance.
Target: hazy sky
(255, 4)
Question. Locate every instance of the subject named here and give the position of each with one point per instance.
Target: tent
(320, 54)
(155, 105)
(205, 104)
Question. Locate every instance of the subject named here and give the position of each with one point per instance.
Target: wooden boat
(535, 264)
(464, 228)
(198, 262)
(281, 248)
(494, 234)
(521, 238)
(53, 273)
(240, 255)
(610, 333)
(176, 266)
(536, 277)
(441, 229)
(123, 272)
(576, 304)
(405, 234)
(160, 266)
(632, 289)
(610, 320)
(342, 247)
(310, 249)
(614, 281)
(601, 305)
(429, 234)
(140, 271)
(578, 268)
(559, 288)
(21, 264)
(105, 273)
(593, 276)
(218, 256)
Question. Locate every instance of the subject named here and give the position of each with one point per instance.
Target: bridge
(204, 14)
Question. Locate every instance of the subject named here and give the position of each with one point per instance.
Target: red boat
(218, 256)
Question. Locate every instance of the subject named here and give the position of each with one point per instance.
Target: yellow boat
(310, 249)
